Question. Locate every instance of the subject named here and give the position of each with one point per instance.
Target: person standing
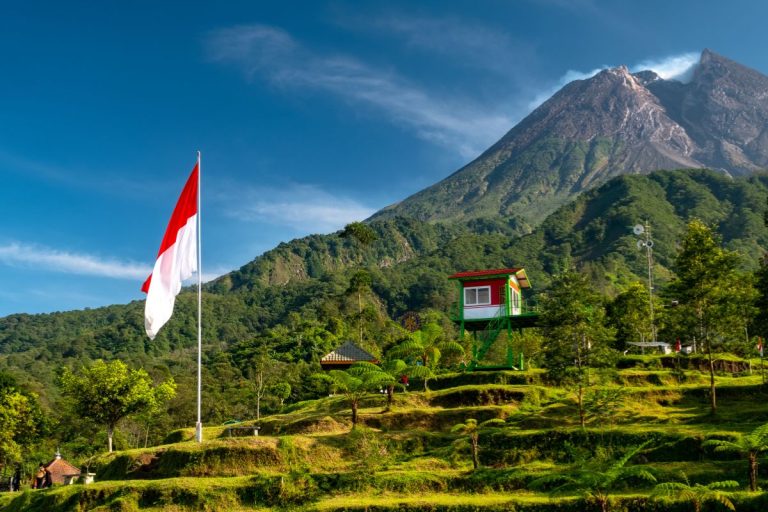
(39, 479)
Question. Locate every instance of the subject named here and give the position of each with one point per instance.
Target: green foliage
(21, 422)
(603, 405)
(703, 302)
(108, 392)
(697, 494)
(296, 299)
(597, 481)
(751, 445)
(360, 232)
(358, 381)
(573, 324)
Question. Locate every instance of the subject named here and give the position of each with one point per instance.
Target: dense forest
(268, 324)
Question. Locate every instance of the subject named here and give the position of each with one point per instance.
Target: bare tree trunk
(475, 448)
(360, 314)
(712, 395)
(752, 471)
(390, 396)
(110, 431)
(354, 413)
(259, 392)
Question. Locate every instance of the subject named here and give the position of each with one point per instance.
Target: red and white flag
(176, 260)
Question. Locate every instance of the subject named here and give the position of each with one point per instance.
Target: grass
(308, 458)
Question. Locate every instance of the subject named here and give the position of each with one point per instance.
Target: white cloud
(272, 53)
(479, 46)
(676, 67)
(302, 207)
(53, 260)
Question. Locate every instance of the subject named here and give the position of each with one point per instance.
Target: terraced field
(408, 458)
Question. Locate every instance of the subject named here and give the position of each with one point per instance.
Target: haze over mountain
(614, 123)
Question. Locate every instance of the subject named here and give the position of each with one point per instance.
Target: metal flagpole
(199, 425)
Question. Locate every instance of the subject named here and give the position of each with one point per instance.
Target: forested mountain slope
(300, 298)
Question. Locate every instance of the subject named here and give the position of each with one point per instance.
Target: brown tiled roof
(60, 468)
(347, 353)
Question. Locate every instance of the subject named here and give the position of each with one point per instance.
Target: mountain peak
(613, 123)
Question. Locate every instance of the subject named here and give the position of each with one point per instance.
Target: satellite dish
(640, 244)
(638, 229)
(649, 243)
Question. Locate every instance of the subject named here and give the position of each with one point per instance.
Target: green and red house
(492, 302)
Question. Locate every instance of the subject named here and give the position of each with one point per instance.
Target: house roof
(347, 353)
(60, 468)
(518, 272)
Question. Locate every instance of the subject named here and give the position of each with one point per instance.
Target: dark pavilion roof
(346, 354)
(518, 272)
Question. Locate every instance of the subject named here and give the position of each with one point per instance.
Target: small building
(487, 294)
(664, 348)
(345, 356)
(62, 472)
(491, 303)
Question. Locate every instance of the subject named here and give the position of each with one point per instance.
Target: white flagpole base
(199, 432)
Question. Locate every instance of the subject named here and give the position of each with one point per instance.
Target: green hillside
(299, 300)
(413, 458)
(523, 186)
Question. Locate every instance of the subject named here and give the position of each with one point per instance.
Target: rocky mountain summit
(613, 123)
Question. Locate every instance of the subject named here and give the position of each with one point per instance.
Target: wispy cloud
(269, 52)
(464, 42)
(302, 207)
(674, 67)
(53, 260)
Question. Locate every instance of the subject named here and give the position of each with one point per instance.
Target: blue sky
(309, 115)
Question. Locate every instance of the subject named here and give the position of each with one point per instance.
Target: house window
(478, 296)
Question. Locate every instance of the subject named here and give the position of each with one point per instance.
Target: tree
(697, 494)
(704, 273)
(359, 283)
(573, 324)
(760, 325)
(597, 483)
(395, 368)
(361, 280)
(359, 231)
(628, 313)
(281, 391)
(356, 382)
(21, 423)
(470, 429)
(108, 392)
(428, 344)
(751, 445)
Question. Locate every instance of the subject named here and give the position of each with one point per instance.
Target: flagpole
(199, 425)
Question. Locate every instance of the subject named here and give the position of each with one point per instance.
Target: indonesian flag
(176, 260)
(678, 346)
(760, 345)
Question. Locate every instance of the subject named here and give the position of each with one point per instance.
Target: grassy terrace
(307, 458)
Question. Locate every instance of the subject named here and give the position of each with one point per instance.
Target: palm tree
(395, 368)
(471, 429)
(751, 445)
(427, 344)
(354, 383)
(697, 494)
(596, 484)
